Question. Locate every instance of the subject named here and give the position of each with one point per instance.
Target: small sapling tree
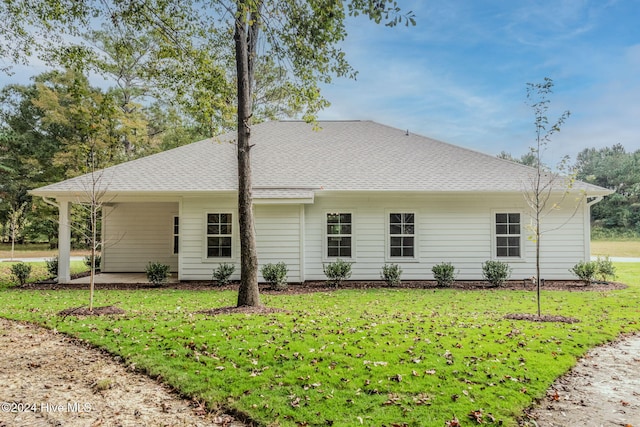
(546, 190)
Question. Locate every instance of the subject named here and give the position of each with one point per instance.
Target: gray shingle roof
(290, 158)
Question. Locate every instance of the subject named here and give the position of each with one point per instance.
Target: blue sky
(460, 74)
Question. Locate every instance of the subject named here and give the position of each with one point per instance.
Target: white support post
(64, 242)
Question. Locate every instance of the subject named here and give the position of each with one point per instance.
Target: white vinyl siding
(456, 228)
(449, 228)
(277, 237)
(138, 233)
(195, 265)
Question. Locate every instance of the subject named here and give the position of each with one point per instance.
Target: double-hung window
(219, 235)
(402, 237)
(339, 235)
(508, 235)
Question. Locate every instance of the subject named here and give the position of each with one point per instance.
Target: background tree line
(62, 125)
(618, 214)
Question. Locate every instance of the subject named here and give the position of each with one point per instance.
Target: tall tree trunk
(246, 32)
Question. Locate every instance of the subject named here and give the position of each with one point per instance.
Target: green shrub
(337, 272)
(496, 272)
(52, 266)
(606, 270)
(87, 261)
(157, 273)
(391, 274)
(275, 275)
(585, 271)
(222, 274)
(21, 272)
(444, 273)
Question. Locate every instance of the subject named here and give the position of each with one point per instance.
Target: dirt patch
(47, 379)
(603, 389)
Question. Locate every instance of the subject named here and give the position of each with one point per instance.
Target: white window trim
(235, 242)
(494, 250)
(387, 237)
(325, 235)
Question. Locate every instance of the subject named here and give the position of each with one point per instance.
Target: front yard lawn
(374, 357)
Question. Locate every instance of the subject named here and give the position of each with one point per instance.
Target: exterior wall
(450, 228)
(135, 234)
(456, 229)
(277, 230)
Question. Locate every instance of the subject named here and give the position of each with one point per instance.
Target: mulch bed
(321, 286)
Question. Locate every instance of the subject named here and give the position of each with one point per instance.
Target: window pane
(393, 251)
(407, 242)
(395, 229)
(515, 251)
(501, 218)
(514, 241)
(502, 252)
(213, 218)
(501, 241)
(219, 247)
(408, 252)
(408, 218)
(339, 246)
(333, 219)
(396, 241)
(514, 229)
(225, 229)
(514, 218)
(213, 229)
(345, 218)
(395, 218)
(408, 229)
(345, 229)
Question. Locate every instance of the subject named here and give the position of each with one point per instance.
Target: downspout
(594, 200)
(587, 225)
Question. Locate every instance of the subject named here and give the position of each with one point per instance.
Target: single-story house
(355, 190)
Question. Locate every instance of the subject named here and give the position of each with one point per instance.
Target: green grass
(353, 357)
(38, 272)
(620, 248)
(31, 250)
